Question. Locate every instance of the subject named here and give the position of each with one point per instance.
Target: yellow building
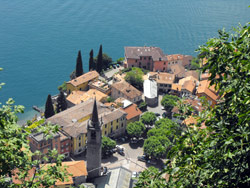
(74, 122)
(81, 83)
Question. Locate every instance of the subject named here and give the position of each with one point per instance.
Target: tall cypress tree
(99, 60)
(91, 61)
(79, 69)
(49, 109)
(61, 102)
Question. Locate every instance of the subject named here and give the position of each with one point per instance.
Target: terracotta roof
(208, 90)
(132, 111)
(165, 78)
(193, 73)
(111, 116)
(183, 80)
(177, 69)
(136, 52)
(176, 87)
(175, 57)
(189, 86)
(195, 103)
(84, 78)
(76, 168)
(75, 97)
(76, 113)
(127, 89)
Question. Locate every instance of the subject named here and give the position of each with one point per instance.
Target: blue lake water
(39, 39)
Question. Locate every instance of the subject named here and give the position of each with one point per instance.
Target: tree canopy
(61, 102)
(135, 129)
(134, 77)
(107, 144)
(99, 63)
(49, 109)
(79, 69)
(169, 101)
(148, 118)
(92, 65)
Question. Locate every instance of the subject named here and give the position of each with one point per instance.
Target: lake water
(39, 39)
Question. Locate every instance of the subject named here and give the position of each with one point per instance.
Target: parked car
(134, 141)
(117, 65)
(105, 170)
(162, 108)
(164, 114)
(157, 114)
(114, 66)
(135, 174)
(119, 148)
(121, 152)
(142, 158)
(152, 162)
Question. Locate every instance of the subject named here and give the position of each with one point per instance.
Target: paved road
(113, 71)
(157, 109)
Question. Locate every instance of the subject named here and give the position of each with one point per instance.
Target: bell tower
(94, 145)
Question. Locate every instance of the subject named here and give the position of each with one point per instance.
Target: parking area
(157, 109)
(111, 72)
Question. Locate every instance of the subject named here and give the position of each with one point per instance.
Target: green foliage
(61, 103)
(195, 64)
(63, 87)
(110, 99)
(49, 109)
(92, 65)
(36, 124)
(120, 60)
(152, 147)
(106, 60)
(135, 129)
(148, 118)
(15, 154)
(151, 178)
(143, 106)
(134, 77)
(99, 62)
(79, 69)
(161, 138)
(169, 101)
(107, 144)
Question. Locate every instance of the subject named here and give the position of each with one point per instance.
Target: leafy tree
(134, 77)
(61, 102)
(143, 106)
(63, 87)
(15, 158)
(110, 99)
(135, 129)
(148, 118)
(218, 156)
(106, 60)
(195, 64)
(91, 61)
(72, 76)
(151, 178)
(49, 109)
(120, 60)
(169, 101)
(99, 63)
(79, 69)
(152, 147)
(107, 144)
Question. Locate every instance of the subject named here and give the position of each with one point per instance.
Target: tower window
(93, 134)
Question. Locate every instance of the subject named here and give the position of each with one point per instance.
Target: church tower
(94, 145)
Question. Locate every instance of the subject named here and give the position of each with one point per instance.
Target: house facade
(81, 83)
(125, 90)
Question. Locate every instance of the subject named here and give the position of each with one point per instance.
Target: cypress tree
(61, 103)
(49, 109)
(79, 69)
(99, 60)
(91, 61)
